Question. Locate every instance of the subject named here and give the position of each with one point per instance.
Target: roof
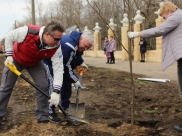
(72, 28)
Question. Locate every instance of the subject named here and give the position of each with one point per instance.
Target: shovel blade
(77, 110)
(77, 119)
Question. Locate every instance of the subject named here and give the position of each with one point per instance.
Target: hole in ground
(151, 123)
(115, 124)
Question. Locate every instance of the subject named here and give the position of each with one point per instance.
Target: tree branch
(105, 23)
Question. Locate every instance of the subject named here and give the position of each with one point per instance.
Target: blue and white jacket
(71, 57)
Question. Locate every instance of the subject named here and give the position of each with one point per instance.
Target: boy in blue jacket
(73, 46)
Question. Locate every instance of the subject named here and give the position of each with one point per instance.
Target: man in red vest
(25, 48)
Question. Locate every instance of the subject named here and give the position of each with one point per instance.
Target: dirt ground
(108, 108)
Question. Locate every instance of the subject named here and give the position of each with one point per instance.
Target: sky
(12, 10)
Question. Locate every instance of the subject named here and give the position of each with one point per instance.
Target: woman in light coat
(106, 42)
(111, 49)
(171, 30)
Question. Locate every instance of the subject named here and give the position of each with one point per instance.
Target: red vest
(27, 53)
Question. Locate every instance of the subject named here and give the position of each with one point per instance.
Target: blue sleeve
(80, 59)
(69, 53)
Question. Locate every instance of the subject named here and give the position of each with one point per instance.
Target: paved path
(152, 70)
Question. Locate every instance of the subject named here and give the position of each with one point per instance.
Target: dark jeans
(179, 67)
(112, 57)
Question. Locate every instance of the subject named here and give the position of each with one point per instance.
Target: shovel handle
(77, 97)
(14, 70)
(81, 70)
(80, 79)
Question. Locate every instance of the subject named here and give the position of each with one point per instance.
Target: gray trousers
(39, 77)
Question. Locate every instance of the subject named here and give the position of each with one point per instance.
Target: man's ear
(81, 38)
(170, 12)
(46, 33)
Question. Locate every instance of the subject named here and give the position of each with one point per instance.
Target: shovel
(73, 118)
(81, 70)
(78, 109)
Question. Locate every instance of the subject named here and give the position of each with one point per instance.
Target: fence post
(137, 28)
(124, 37)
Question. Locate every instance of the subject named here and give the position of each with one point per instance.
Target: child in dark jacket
(143, 48)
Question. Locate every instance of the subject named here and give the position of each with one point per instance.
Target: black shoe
(43, 121)
(179, 128)
(54, 118)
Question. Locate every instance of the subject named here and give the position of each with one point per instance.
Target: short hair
(168, 6)
(89, 36)
(53, 26)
